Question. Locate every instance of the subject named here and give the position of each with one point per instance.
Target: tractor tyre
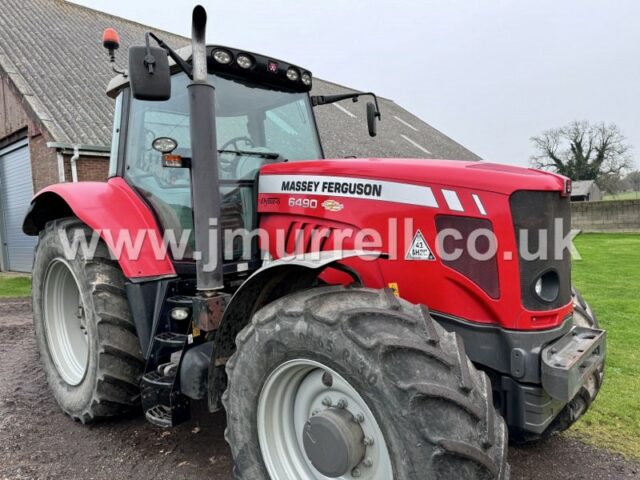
(86, 337)
(583, 316)
(350, 382)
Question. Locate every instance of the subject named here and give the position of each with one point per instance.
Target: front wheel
(349, 383)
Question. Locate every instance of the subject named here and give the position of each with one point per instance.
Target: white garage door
(16, 191)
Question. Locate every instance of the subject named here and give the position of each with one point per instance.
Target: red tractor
(311, 328)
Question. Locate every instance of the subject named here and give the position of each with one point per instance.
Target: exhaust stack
(204, 168)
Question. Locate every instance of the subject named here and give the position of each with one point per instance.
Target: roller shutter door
(16, 191)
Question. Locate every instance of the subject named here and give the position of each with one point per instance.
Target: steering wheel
(234, 141)
(227, 160)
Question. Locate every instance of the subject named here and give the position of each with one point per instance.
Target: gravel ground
(37, 441)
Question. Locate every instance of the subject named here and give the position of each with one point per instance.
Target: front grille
(536, 217)
(483, 273)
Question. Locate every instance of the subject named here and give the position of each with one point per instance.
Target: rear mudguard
(113, 210)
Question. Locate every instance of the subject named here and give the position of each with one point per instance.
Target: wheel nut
(359, 418)
(355, 472)
(367, 462)
(326, 401)
(315, 412)
(368, 441)
(342, 403)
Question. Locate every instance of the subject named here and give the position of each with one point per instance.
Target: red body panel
(113, 208)
(430, 282)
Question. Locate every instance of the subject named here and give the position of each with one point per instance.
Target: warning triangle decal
(419, 249)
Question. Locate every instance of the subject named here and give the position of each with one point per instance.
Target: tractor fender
(275, 279)
(113, 210)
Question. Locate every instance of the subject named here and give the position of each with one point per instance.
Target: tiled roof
(52, 52)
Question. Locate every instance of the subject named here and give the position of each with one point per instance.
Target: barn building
(585, 191)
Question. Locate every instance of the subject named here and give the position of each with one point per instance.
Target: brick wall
(13, 116)
(90, 169)
(44, 162)
(615, 216)
(14, 119)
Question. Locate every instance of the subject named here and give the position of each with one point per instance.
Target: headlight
(547, 286)
(306, 79)
(538, 287)
(222, 56)
(292, 74)
(164, 144)
(244, 61)
(180, 313)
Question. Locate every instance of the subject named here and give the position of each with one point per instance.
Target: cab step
(160, 415)
(156, 380)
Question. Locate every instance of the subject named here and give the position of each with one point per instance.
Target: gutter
(74, 164)
(75, 150)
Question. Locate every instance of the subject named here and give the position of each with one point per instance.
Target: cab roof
(267, 70)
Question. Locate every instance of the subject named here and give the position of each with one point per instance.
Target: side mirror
(149, 73)
(372, 119)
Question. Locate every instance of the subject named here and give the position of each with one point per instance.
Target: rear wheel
(349, 383)
(86, 336)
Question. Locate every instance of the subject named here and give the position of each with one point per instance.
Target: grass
(609, 278)
(622, 196)
(15, 285)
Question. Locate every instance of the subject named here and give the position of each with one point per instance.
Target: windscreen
(255, 125)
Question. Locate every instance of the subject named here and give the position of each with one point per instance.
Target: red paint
(428, 282)
(114, 206)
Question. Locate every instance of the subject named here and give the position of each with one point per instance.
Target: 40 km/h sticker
(419, 249)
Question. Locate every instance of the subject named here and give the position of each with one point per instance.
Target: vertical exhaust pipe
(205, 188)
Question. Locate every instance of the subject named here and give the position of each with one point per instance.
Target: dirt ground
(38, 442)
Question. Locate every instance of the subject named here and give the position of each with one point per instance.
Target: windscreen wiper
(249, 153)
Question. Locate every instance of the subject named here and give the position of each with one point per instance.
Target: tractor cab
(263, 114)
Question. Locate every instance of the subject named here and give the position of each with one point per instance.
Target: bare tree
(582, 150)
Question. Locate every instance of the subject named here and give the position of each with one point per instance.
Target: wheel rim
(295, 393)
(65, 322)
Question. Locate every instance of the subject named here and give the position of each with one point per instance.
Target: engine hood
(486, 176)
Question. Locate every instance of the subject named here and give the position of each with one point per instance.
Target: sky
(490, 74)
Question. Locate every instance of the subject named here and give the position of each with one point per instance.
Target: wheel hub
(334, 442)
(312, 424)
(65, 322)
